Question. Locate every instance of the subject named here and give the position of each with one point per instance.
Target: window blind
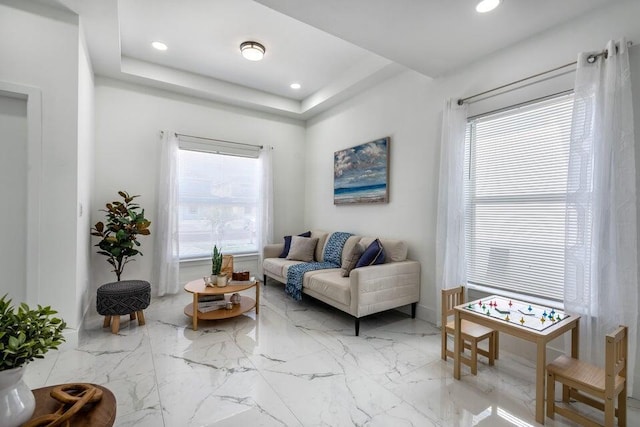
(515, 193)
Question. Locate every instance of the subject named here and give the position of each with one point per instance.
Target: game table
(530, 322)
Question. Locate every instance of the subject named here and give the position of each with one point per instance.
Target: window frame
(187, 143)
(471, 200)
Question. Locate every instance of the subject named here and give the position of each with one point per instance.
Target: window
(218, 199)
(516, 164)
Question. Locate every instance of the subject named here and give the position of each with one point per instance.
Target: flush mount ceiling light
(295, 86)
(253, 51)
(159, 45)
(485, 6)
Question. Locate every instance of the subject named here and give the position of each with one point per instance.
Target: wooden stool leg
(140, 318)
(107, 322)
(132, 316)
(551, 395)
(115, 324)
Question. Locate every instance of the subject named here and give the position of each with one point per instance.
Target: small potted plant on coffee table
(216, 266)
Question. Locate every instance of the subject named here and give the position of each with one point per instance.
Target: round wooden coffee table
(198, 289)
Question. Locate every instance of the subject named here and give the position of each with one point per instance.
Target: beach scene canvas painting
(361, 173)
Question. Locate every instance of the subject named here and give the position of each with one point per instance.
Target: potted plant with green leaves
(216, 267)
(119, 234)
(25, 334)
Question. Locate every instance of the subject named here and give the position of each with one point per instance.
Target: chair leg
(609, 411)
(474, 358)
(357, 326)
(140, 318)
(115, 324)
(107, 322)
(132, 316)
(443, 347)
(413, 309)
(551, 391)
(622, 407)
(264, 282)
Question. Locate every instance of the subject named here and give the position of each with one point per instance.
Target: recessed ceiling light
(295, 86)
(159, 45)
(253, 51)
(484, 6)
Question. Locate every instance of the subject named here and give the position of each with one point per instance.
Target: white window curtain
(601, 237)
(166, 254)
(265, 202)
(450, 238)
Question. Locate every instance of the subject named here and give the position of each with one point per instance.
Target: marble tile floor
(294, 364)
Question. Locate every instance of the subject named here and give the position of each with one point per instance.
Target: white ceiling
(333, 48)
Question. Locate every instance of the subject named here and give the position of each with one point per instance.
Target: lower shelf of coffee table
(246, 304)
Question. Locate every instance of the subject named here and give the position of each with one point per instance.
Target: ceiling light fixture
(485, 6)
(295, 86)
(253, 51)
(159, 45)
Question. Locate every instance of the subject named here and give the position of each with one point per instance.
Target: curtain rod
(219, 140)
(590, 59)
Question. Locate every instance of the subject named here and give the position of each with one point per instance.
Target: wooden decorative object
(58, 406)
(240, 275)
(227, 265)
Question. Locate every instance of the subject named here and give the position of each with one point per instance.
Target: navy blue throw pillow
(373, 255)
(287, 243)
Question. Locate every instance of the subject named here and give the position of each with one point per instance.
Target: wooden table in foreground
(198, 288)
(522, 320)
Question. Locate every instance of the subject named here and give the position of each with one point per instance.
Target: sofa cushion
(352, 259)
(287, 243)
(395, 250)
(302, 248)
(348, 247)
(373, 255)
(331, 284)
(322, 239)
(277, 267)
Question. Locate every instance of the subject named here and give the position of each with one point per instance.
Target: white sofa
(367, 290)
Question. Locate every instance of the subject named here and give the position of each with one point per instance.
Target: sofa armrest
(272, 250)
(381, 287)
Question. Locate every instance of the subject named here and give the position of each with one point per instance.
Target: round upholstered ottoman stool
(120, 298)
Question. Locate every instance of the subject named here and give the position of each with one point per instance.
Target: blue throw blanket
(332, 259)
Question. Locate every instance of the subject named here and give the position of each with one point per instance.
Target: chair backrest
(616, 355)
(450, 298)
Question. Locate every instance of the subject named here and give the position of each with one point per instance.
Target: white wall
(129, 119)
(39, 48)
(409, 109)
(13, 193)
(85, 177)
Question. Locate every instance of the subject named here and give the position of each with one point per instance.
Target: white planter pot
(17, 402)
(222, 281)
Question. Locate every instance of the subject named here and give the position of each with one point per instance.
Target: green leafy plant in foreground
(27, 334)
(119, 234)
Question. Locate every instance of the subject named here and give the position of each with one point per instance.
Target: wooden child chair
(581, 381)
(472, 333)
